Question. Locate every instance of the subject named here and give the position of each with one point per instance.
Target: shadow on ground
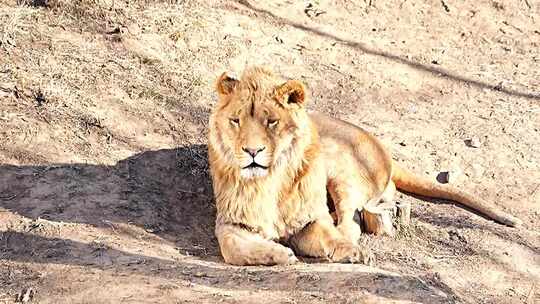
(23, 247)
(436, 71)
(168, 193)
(445, 221)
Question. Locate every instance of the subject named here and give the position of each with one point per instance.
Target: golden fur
(272, 164)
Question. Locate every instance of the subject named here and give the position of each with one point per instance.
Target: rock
(473, 142)
(311, 11)
(445, 177)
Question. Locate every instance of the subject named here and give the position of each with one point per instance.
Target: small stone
(473, 142)
(445, 177)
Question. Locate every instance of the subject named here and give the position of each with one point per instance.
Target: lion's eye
(234, 121)
(272, 122)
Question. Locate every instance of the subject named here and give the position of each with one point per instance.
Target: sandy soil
(104, 189)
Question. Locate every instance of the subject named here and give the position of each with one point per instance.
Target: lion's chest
(275, 210)
(298, 211)
(302, 203)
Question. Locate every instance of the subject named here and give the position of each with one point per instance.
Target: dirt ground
(105, 195)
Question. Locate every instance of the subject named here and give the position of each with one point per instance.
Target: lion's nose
(253, 151)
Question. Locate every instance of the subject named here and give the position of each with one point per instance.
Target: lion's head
(258, 121)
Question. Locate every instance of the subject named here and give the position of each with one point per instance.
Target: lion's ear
(291, 93)
(226, 83)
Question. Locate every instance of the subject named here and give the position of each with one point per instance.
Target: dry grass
(59, 75)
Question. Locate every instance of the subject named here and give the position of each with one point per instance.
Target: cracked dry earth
(104, 189)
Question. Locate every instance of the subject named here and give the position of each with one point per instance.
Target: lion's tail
(409, 182)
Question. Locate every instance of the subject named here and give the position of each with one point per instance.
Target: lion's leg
(347, 200)
(241, 247)
(322, 239)
(389, 193)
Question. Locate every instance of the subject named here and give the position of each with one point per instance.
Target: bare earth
(105, 195)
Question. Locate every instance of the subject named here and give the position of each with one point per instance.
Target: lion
(273, 163)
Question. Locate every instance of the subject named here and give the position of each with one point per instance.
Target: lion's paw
(350, 231)
(285, 256)
(346, 252)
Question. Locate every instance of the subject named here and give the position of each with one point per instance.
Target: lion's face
(257, 121)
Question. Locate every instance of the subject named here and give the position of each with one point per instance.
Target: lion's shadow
(167, 192)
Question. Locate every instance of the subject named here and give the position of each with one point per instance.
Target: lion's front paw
(346, 252)
(284, 256)
(351, 231)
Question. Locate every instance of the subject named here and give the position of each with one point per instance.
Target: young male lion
(272, 164)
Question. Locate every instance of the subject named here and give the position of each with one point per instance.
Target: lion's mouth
(255, 165)
(254, 170)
